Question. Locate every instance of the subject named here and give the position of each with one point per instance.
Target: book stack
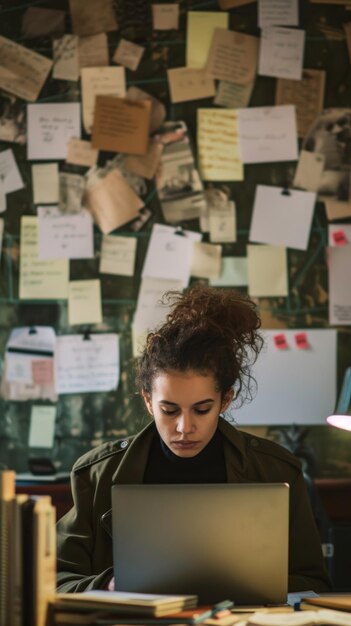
(27, 555)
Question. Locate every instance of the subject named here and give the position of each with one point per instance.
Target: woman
(188, 373)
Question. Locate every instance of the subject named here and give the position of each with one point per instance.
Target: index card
(288, 391)
(118, 255)
(233, 95)
(113, 202)
(10, 177)
(233, 273)
(84, 302)
(309, 170)
(100, 81)
(232, 56)
(165, 16)
(128, 54)
(339, 234)
(42, 427)
(282, 219)
(45, 178)
(89, 18)
(150, 312)
(218, 146)
(267, 271)
(121, 125)
(222, 222)
(186, 83)
(281, 52)
(206, 260)
(39, 280)
(200, 28)
(81, 152)
(169, 254)
(66, 62)
(87, 365)
(145, 165)
(22, 71)
(268, 134)
(307, 95)
(71, 188)
(50, 127)
(282, 13)
(339, 266)
(62, 236)
(40, 22)
(93, 51)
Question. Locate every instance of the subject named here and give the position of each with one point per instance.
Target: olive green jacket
(84, 533)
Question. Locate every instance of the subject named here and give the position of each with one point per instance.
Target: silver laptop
(219, 541)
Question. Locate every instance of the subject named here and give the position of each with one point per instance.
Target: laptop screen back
(214, 540)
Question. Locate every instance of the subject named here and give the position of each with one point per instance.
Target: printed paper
(232, 95)
(222, 223)
(93, 51)
(71, 189)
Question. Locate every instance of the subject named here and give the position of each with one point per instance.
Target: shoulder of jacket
(271, 448)
(101, 453)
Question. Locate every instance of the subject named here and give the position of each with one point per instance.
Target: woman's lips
(185, 445)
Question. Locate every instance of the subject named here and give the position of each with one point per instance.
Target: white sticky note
(268, 134)
(282, 13)
(42, 427)
(281, 52)
(64, 236)
(50, 128)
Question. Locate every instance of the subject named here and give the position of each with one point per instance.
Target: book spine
(44, 561)
(7, 494)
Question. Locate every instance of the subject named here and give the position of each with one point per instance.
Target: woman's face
(186, 407)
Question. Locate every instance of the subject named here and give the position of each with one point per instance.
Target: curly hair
(208, 330)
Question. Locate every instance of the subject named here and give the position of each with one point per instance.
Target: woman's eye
(169, 412)
(201, 411)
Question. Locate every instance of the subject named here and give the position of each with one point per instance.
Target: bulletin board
(86, 420)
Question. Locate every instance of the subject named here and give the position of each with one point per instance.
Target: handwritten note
(84, 302)
(282, 219)
(165, 16)
(307, 95)
(232, 56)
(186, 84)
(39, 280)
(282, 13)
(100, 81)
(218, 145)
(22, 71)
(222, 223)
(281, 52)
(206, 260)
(63, 236)
(93, 51)
(121, 125)
(232, 95)
(71, 188)
(10, 177)
(113, 202)
(200, 28)
(128, 54)
(45, 179)
(87, 365)
(81, 152)
(66, 62)
(118, 255)
(309, 170)
(89, 18)
(50, 127)
(339, 265)
(268, 134)
(267, 270)
(42, 427)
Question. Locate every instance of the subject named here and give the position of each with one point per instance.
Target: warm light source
(342, 416)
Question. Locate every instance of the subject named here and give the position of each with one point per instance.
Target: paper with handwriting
(45, 181)
(81, 152)
(62, 236)
(10, 177)
(268, 134)
(50, 128)
(200, 28)
(232, 56)
(89, 18)
(39, 280)
(281, 52)
(339, 269)
(165, 16)
(282, 218)
(22, 71)
(118, 255)
(84, 302)
(128, 54)
(186, 83)
(85, 365)
(233, 95)
(306, 94)
(267, 270)
(66, 61)
(282, 13)
(121, 125)
(218, 145)
(100, 81)
(93, 51)
(42, 427)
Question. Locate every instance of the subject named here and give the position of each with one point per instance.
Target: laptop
(219, 541)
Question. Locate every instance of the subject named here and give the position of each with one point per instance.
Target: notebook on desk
(217, 541)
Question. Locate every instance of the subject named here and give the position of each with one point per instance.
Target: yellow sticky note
(267, 270)
(200, 29)
(84, 302)
(218, 145)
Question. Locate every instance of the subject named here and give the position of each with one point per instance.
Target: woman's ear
(147, 400)
(227, 399)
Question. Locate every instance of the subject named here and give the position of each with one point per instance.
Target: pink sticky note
(43, 372)
(301, 341)
(280, 341)
(339, 237)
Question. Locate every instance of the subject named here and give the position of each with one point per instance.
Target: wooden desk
(59, 492)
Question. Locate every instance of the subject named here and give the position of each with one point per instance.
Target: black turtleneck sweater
(165, 467)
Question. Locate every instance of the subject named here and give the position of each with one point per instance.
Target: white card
(45, 178)
(282, 13)
(10, 177)
(268, 134)
(50, 127)
(64, 236)
(281, 52)
(42, 427)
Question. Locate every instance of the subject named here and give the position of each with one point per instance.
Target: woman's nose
(185, 424)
